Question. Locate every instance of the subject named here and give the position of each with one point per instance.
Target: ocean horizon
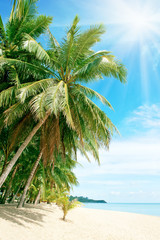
(152, 209)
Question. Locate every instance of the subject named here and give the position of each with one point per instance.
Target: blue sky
(130, 171)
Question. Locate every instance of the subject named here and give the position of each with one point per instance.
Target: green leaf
(35, 87)
(91, 93)
(31, 45)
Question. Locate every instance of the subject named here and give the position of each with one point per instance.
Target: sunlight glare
(138, 23)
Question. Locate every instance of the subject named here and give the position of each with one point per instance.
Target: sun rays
(135, 29)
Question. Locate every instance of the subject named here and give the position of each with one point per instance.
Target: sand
(44, 222)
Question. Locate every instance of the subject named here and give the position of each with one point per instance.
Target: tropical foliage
(65, 204)
(47, 112)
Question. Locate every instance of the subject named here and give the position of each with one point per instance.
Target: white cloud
(138, 154)
(156, 194)
(136, 193)
(125, 157)
(100, 182)
(146, 116)
(132, 193)
(115, 193)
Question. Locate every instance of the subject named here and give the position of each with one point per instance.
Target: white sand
(44, 223)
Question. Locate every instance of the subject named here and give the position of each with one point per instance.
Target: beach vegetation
(48, 112)
(65, 204)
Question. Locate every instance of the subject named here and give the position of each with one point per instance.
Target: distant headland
(86, 199)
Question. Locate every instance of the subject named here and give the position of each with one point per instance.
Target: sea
(140, 208)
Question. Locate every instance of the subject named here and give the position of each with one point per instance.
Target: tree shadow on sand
(66, 220)
(22, 216)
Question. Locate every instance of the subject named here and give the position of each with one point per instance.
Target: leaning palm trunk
(5, 163)
(37, 197)
(15, 195)
(10, 185)
(29, 181)
(20, 150)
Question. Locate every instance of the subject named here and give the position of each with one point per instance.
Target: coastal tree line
(47, 111)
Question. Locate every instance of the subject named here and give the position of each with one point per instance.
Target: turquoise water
(141, 208)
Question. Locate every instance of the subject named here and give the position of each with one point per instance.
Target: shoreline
(43, 222)
(151, 209)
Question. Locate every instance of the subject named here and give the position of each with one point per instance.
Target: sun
(137, 21)
(134, 27)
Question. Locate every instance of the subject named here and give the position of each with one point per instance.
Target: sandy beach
(43, 222)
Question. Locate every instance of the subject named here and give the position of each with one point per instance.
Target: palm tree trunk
(38, 197)
(9, 185)
(29, 181)
(5, 163)
(12, 200)
(1, 159)
(20, 150)
(64, 216)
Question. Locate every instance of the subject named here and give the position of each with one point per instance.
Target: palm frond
(21, 14)
(96, 118)
(35, 88)
(13, 76)
(100, 67)
(91, 94)
(67, 111)
(21, 65)
(68, 46)
(16, 135)
(2, 30)
(53, 42)
(83, 152)
(18, 110)
(37, 105)
(79, 126)
(7, 96)
(17, 9)
(113, 69)
(38, 26)
(55, 98)
(86, 40)
(32, 46)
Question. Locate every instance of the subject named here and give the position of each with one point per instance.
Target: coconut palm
(74, 64)
(70, 66)
(29, 180)
(22, 170)
(57, 178)
(24, 25)
(47, 180)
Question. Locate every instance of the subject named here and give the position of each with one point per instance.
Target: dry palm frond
(50, 139)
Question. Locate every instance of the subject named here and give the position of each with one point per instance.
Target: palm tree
(8, 189)
(57, 178)
(63, 93)
(29, 180)
(46, 179)
(15, 36)
(23, 27)
(22, 170)
(73, 64)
